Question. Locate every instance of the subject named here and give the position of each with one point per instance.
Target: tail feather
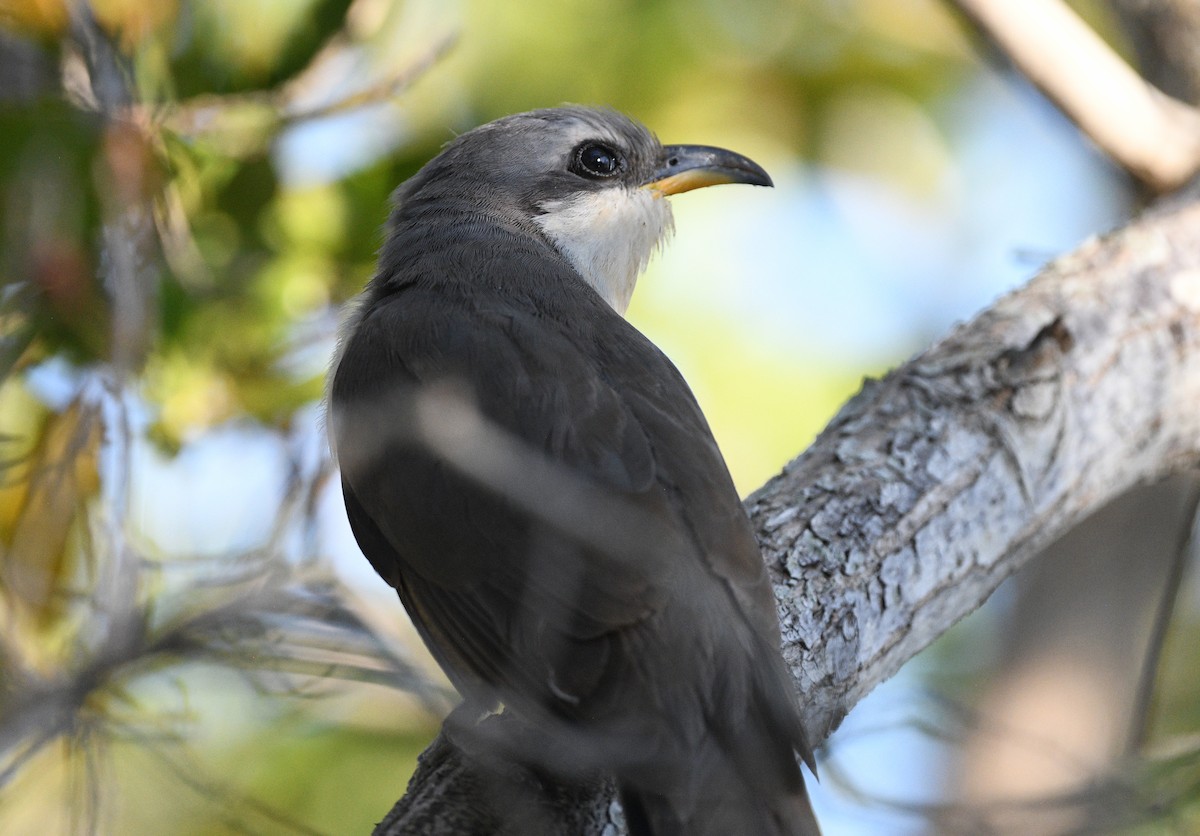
(743, 775)
(730, 809)
(747, 782)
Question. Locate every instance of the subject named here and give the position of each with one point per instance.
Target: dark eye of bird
(595, 160)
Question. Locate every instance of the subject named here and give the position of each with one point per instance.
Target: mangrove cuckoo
(537, 482)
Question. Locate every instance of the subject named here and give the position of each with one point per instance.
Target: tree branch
(936, 483)
(1153, 136)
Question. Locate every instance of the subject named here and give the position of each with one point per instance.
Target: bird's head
(592, 181)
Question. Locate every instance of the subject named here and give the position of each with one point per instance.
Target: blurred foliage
(252, 253)
(188, 191)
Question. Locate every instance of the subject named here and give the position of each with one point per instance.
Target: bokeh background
(190, 190)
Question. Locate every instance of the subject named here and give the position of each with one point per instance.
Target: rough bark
(934, 484)
(937, 482)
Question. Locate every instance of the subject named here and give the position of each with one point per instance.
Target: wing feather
(515, 603)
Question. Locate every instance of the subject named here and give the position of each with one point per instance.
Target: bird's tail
(730, 809)
(743, 777)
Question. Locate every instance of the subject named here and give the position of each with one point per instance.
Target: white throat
(608, 236)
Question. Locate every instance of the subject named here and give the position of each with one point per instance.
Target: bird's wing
(516, 600)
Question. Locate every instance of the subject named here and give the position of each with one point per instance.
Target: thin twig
(195, 116)
(388, 88)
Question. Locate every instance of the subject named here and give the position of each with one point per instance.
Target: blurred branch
(381, 91)
(106, 87)
(119, 618)
(268, 621)
(130, 252)
(1078, 662)
(1155, 137)
(294, 624)
(936, 483)
(97, 79)
(937, 718)
(201, 115)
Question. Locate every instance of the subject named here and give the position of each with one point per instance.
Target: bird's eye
(595, 160)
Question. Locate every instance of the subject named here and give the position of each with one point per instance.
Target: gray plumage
(652, 656)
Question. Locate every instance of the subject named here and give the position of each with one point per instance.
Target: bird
(538, 483)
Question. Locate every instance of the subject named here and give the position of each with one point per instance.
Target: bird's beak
(686, 167)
